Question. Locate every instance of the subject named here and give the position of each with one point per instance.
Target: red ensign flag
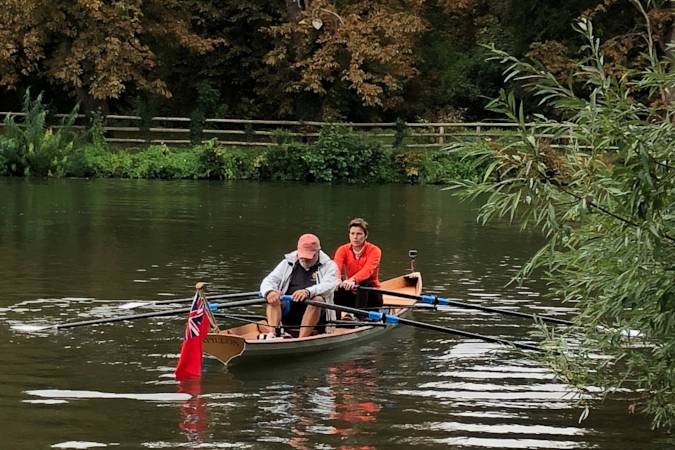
(196, 329)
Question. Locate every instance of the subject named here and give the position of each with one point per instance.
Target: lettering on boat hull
(224, 347)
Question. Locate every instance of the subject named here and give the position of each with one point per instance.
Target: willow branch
(610, 213)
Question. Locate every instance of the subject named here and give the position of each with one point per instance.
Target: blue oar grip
(213, 306)
(286, 298)
(374, 315)
(391, 319)
(427, 298)
(432, 299)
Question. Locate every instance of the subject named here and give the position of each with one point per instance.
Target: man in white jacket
(305, 273)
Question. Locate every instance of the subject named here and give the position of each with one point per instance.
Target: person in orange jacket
(358, 264)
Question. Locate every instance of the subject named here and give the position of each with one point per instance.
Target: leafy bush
(443, 166)
(103, 162)
(12, 159)
(436, 166)
(225, 164)
(158, 161)
(339, 155)
(287, 162)
(409, 164)
(33, 148)
(78, 163)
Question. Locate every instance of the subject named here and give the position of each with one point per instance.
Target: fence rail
(122, 129)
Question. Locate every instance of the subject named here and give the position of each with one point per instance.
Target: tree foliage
(365, 47)
(368, 60)
(600, 183)
(92, 47)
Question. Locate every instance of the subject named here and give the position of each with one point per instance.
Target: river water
(77, 249)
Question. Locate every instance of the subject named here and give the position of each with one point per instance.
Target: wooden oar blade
(28, 328)
(133, 305)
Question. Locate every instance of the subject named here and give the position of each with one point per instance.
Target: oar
(392, 319)
(173, 312)
(131, 305)
(435, 300)
(253, 317)
(354, 323)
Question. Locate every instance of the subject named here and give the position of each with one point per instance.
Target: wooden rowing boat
(241, 342)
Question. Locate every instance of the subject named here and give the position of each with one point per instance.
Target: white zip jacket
(326, 280)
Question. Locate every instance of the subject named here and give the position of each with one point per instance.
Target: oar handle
(435, 300)
(253, 301)
(211, 297)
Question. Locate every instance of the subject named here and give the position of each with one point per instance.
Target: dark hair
(358, 222)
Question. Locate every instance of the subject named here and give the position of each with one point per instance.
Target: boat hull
(240, 343)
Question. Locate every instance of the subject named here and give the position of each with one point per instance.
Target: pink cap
(308, 246)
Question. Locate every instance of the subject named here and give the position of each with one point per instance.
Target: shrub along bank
(341, 160)
(338, 156)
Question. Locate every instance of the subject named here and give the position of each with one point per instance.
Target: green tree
(455, 81)
(600, 183)
(233, 78)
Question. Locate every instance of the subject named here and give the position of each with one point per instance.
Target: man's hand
(300, 295)
(273, 297)
(349, 284)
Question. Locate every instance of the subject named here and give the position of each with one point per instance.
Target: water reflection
(194, 418)
(354, 388)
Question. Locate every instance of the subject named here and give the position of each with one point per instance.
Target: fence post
(441, 132)
(104, 125)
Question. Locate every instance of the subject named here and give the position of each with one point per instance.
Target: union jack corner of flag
(195, 317)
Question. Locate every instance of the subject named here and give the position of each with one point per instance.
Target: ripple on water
(64, 393)
(464, 441)
(191, 445)
(81, 444)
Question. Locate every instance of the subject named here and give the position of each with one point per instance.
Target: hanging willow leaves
(599, 181)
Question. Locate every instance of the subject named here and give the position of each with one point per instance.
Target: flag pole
(200, 288)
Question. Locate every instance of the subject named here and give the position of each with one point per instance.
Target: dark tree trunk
(90, 105)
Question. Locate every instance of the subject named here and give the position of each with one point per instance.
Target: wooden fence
(135, 130)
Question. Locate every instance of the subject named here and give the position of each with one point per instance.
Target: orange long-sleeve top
(367, 267)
